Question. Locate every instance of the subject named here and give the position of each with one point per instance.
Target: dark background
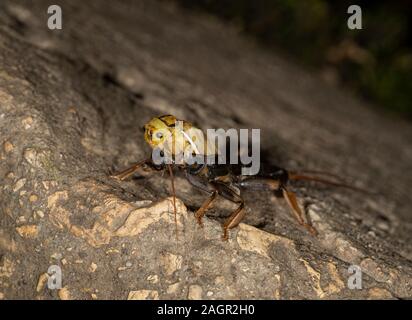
(375, 62)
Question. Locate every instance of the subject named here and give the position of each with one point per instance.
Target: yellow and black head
(175, 136)
(167, 133)
(158, 130)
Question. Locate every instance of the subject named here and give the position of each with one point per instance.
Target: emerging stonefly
(215, 179)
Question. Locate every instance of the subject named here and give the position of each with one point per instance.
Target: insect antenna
(318, 172)
(174, 197)
(301, 176)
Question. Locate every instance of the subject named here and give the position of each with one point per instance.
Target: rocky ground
(72, 103)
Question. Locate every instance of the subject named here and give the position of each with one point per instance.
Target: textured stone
(143, 295)
(28, 231)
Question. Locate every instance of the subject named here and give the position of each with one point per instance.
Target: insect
(224, 180)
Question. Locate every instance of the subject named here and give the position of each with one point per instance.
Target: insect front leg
(123, 175)
(204, 185)
(236, 216)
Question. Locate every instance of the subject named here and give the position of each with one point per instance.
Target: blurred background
(375, 62)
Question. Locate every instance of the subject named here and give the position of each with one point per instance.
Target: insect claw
(312, 230)
(225, 236)
(200, 222)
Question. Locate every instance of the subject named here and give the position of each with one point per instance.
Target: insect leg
(204, 185)
(236, 216)
(123, 175)
(202, 210)
(213, 189)
(290, 198)
(174, 196)
(260, 183)
(339, 183)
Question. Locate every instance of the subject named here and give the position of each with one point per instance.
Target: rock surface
(72, 103)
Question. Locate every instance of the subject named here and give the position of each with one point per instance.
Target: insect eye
(159, 135)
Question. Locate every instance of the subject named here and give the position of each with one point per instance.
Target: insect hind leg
(292, 202)
(276, 183)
